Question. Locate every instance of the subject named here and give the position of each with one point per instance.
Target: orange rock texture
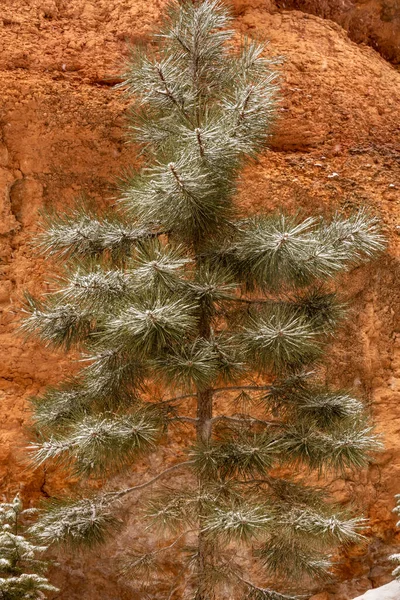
(336, 145)
(373, 22)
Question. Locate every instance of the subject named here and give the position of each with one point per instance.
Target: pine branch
(113, 376)
(297, 398)
(183, 196)
(193, 366)
(171, 510)
(86, 522)
(177, 399)
(211, 287)
(96, 444)
(168, 93)
(59, 406)
(82, 234)
(250, 300)
(292, 558)
(158, 267)
(349, 446)
(95, 289)
(238, 453)
(150, 325)
(358, 237)
(281, 340)
(58, 324)
(240, 523)
(277, 251)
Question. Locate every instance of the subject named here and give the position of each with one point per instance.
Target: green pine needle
(280, 340)
(150, 325)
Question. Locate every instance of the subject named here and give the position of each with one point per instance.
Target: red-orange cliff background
(336, 144)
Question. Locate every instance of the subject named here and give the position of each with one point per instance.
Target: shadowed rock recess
(336, 145)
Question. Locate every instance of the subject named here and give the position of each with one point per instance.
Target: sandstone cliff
(337, 144)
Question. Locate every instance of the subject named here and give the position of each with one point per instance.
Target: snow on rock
(390, 591)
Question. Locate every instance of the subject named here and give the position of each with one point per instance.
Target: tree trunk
(204, 415)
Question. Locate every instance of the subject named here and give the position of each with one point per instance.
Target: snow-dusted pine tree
(396, 557)
(228, 314)
(22, 571)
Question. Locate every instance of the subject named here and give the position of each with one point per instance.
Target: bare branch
(184, 419)
(251, 300)
(264, 590)
(245, 419)
(267, 480)
(233, 388)
(242, 387)
(135, 488)
(174, 542)
(177, 398)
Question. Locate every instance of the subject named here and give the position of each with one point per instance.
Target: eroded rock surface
(372, 22)
(336, 145)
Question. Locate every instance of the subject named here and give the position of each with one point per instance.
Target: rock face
(373, 22)
(336, 145)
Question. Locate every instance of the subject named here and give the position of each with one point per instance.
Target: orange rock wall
(336, 145)
(373, 22)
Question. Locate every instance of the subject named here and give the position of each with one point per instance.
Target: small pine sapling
(229, 314)
(22, 571)
(396, 557)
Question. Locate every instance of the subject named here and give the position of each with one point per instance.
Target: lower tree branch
(178, 398)
(248, 419)
(184, 419)
(251, 300)
(265, 591)
(135, 488)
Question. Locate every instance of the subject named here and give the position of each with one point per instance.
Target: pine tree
(229, 314)
(22, 573)
(396, 557)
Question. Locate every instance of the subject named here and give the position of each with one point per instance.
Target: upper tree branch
(245, 103)
(181, 183)
(232, 388)
(199, 141)
(167, 92)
